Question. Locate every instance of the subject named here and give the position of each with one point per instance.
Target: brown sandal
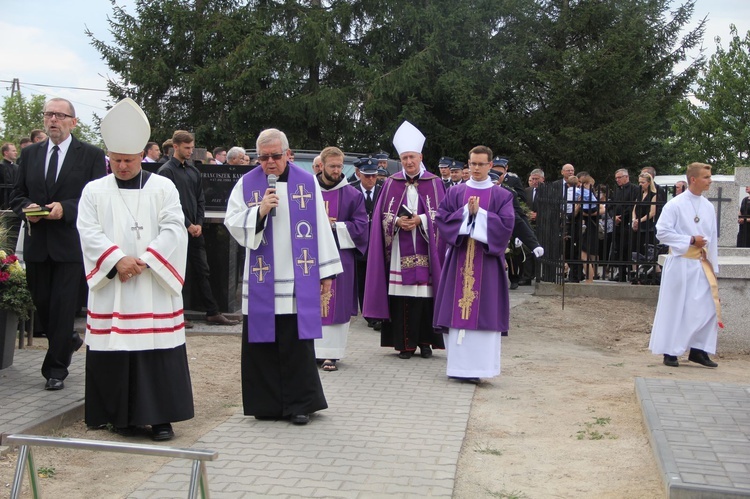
(329, 365)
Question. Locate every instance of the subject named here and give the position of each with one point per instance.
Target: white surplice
(241, 220)
(686, 313)
(144, 313)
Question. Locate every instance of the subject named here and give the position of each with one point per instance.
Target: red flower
(4, 276)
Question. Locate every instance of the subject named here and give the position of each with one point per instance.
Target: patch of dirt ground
(561, 421)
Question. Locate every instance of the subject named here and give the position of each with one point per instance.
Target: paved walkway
(395, 428)
(700, 434)
(24, 404)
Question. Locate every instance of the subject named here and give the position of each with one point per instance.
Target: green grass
(591, 430)
(45, 472)
(514, 494)
(486, 449)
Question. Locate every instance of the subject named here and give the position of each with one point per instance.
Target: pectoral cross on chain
(137, 228)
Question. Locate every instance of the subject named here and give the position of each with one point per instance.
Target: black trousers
(54, 289)
(198, 262)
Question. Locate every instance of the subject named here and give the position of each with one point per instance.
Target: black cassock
(138, 388)
(280, 379)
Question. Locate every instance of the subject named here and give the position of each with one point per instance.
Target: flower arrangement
(14, 293)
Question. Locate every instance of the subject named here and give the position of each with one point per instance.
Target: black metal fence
(592, 237)
(5, 195)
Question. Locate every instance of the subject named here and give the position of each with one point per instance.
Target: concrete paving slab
(698, 435)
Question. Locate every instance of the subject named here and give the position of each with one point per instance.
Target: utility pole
(15, 86)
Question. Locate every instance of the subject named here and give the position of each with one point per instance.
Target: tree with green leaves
(544, 82)
(590, 83)
(21, 116)
(715, 127)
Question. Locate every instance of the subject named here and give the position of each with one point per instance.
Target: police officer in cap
(456, 169)
(444, 165)
(370, 189)
(511, 179)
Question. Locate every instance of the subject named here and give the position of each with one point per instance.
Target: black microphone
(272, 185)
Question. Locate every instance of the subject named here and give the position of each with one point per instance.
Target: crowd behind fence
(591, 236)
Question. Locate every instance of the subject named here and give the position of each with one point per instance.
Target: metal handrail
(198, 477)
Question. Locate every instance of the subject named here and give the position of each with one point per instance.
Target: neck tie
(52, 169)
(368, 202)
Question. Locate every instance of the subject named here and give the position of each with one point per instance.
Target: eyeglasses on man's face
(275, 157)
(478, 165)
(60, 116)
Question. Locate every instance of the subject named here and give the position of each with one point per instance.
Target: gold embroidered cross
(261, 269)
(305, 261)
(301, 196)
(256, 199)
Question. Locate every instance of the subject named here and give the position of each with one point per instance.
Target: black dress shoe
(77, 342)
(54, 384)
(671, 361)
(300, 419)
(405, 354)
(377, 325)
(524, 282)
(473, 381)
(513, 285)
(161, 432)
(425, 351)
(701, 357)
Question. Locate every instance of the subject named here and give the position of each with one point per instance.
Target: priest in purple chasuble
(134, 246)
(471, 302)
(346, 212)
(277, 213)
(405, 254)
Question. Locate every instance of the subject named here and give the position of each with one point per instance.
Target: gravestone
(734, 264)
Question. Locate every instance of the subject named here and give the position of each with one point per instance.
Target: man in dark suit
(536, 178)
(370, 188)
(51, 176)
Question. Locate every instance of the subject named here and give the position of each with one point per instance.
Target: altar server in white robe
(688, 314)
(134, 247)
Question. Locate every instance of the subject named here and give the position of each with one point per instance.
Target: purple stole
(415, 261)
(304, 238)
(331, 199)
(465, 313)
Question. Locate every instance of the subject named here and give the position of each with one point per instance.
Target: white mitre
(408, 138)
(125, 129)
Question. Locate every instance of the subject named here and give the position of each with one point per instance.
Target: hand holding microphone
(270, 199)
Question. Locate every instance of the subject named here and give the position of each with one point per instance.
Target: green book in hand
(41, 211)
